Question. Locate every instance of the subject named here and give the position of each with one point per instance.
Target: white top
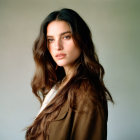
(51, 94)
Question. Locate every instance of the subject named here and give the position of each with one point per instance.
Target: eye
(67, 37)
(49, 40)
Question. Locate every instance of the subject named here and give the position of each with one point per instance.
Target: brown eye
(50, 40)
(67, 37)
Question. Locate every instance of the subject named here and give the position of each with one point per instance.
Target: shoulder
(87, 90)
(84, 96)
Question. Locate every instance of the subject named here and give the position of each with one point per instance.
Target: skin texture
(61, 45)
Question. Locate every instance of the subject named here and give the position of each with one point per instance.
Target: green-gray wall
(115, 25)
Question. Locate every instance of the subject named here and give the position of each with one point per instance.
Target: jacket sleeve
(89, 122)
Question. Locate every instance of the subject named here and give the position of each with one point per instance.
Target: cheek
(75, 50)
(71, 47)
(50, 51)
(74, 53)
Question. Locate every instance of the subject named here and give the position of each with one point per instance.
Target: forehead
(57, 27)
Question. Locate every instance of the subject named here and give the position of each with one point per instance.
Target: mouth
(60, 56)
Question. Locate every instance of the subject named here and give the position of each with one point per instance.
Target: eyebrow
(60, 33)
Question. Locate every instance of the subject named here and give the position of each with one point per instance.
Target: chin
(62, 64)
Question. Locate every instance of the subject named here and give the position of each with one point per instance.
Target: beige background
(115, 25)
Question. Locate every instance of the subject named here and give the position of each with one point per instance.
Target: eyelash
(50, 40)
(67, 37)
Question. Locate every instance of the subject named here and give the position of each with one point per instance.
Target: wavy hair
(87, 66)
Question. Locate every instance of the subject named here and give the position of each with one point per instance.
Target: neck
(69, 73)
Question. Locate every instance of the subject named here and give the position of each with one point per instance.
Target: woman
(68, 82)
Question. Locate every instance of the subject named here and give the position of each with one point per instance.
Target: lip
(60, 55)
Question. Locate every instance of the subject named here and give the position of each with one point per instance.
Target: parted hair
(47, 74)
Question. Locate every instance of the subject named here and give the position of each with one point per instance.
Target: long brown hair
(87, 66)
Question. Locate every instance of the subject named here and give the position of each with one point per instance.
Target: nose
(58, 44)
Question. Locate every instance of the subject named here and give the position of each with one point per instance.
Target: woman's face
(61, 44)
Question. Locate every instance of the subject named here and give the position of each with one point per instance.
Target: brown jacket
(88, 122)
